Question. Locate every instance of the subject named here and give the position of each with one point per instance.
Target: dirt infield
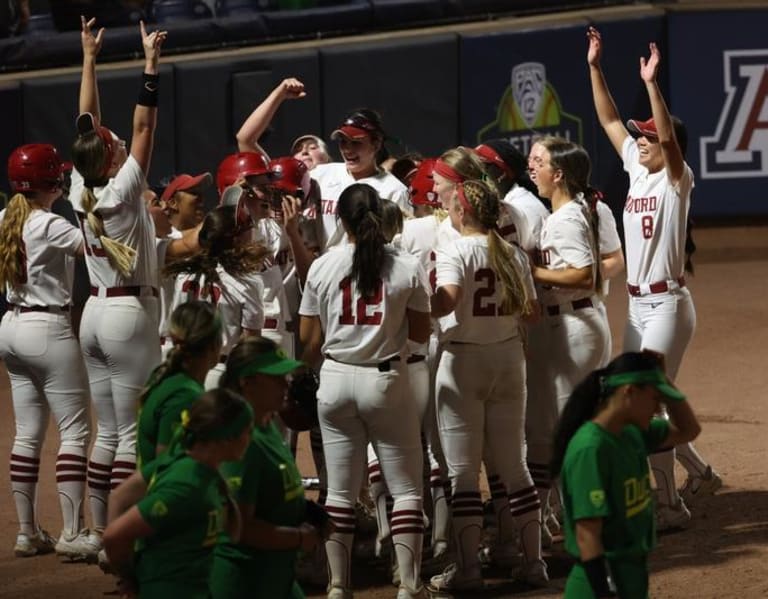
(724, 552)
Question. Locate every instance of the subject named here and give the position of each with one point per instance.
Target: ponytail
(592, 196)
(359, 208)
(582, 406)
(690, 246)
(121, 257)
(12, 251)
(368, 260)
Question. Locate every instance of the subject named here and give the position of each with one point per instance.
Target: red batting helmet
(242, 164)
(35, 167)
(290, 175)
(422, 184)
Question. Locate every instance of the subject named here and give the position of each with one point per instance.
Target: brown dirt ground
(724, 552)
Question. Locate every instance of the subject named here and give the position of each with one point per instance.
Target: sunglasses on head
(359, 121)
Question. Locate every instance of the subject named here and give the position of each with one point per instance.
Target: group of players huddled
(450, 305)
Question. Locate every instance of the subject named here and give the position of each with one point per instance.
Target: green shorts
(629, 576)
(235, 579)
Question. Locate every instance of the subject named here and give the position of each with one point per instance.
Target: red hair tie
(444, 170)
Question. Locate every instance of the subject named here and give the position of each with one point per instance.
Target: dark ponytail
(587, 398)
(359, 209)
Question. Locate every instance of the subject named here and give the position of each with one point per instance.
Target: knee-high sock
(440, 513)
(525, 509)
(500, 499)
(25, 468)
(691, 460)
(378, 490)
(467, 514)
(663, 467)
(99, 475)
(541, 480)
(71, 466)
(407, 539)
(338, 547)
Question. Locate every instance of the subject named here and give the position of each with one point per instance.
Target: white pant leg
(666, 323)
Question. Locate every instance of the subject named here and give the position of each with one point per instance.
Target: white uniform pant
(357, 405)
(661, 322)
(481, 402)
(573, 345)
(47, 375)
(121, 346)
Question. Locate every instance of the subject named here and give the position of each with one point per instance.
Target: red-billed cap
(188, 183)
(644, 128)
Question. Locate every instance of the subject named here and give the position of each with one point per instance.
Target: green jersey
(266, 478)
(184, 505)
(161, 413)
(607, 476)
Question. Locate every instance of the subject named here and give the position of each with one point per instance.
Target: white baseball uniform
(574, 332)
(119, 328)
(481, 397)
(166, 286)
(46, 369)
(334, 178)
(238, 300)
(662, 317)
(363, 398)
(534, 213)
(610, 242)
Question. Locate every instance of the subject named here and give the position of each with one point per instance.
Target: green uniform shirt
(161, 413)
(185, 508)
(607, 476)
(268, 479)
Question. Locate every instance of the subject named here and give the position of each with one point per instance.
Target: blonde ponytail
(121, 257)
(12, 252)
(486, 207)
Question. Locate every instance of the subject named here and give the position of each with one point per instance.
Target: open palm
(649, 67)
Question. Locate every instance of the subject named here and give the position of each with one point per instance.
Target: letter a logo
(739, 147)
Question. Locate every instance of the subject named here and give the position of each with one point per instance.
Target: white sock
(440, 514)
(525, 509)
(99, 475)
(71, 466)
(407, 539)
(691, 460)
(663, 467)
(500, 499)
(338, 547)
(467, 515)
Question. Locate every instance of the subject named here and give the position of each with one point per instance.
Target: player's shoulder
(330, 170)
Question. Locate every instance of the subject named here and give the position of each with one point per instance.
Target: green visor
(275, 363)
(655, 377)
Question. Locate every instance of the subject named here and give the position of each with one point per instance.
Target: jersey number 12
(360, 315)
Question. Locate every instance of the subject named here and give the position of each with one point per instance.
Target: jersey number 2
(362, 304)
(481, 307)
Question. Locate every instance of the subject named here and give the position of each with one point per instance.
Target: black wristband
(148, 93)
(597, 574)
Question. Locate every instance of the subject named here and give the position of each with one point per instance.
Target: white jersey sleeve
(608, 232)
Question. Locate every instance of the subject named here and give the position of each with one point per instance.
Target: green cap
(275, 363)
(655, 377)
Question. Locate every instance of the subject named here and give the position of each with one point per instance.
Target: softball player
(485, 285)
(361, 304)
(39, 349)
(574, 334)
(174, 509)
(226, 274)
(662, 316)
(360, 138)
(267, 485)
(603, 439)
(420, 238)
(196, 331)
(121, 257)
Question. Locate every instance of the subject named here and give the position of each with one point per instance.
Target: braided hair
(485, 207)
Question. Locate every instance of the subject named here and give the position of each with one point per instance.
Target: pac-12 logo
(739, 147)
(530, 107)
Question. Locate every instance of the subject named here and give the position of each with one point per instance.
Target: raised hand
(152, 43)
(595, 50)
(649, 67)
(292, 89)
(91, 43)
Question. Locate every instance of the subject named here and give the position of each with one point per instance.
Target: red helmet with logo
(290, 175)
(35, 167)
(422, 184)
(242, 164)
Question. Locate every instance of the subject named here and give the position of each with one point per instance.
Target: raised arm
(255, 125)
(605, 107)
(145, 113)
(670, 148)
(89, 89)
